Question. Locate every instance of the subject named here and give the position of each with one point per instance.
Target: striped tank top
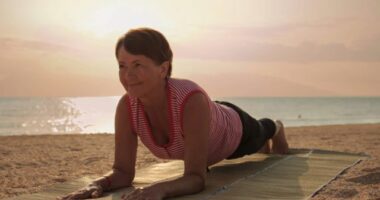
(225, 126)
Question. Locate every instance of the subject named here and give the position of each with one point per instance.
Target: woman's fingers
(62, 198)
(97, 193)
(136, 194)
(83, 195)
(80, 194)
(77, 196)
(67, 197)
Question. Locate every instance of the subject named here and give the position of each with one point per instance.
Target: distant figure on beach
(175, 119)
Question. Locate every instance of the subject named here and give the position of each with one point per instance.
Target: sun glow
(112, 20)
(52, 41)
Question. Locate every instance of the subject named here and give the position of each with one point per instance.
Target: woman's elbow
(199, 183)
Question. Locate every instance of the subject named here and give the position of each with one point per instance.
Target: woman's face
(139, 74)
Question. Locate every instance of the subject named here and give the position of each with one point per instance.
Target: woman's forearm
(185, 185)
(115, 180)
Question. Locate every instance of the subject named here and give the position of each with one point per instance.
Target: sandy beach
(30, 163)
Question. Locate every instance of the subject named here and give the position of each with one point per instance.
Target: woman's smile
(134, 84)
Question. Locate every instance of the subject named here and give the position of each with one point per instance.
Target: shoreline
(111, 133)
(29, 163)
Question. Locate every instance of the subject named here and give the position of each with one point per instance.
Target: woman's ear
(164, 69)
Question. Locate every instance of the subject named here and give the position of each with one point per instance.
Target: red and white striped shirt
(225, 126)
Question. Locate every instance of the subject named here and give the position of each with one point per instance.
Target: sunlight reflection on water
(57, 115)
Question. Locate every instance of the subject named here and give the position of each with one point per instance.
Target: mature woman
(175, 119)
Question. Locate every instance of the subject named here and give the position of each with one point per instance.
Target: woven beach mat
(297, 175)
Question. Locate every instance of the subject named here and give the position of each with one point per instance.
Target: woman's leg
(269, 127)
(265, 148)
(257, 134)
(279, 143)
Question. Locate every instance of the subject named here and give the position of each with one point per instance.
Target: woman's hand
(147, 193)
(91, 191)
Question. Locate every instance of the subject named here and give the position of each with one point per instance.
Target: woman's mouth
(134, 84)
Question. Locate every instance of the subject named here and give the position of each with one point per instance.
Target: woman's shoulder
(123, 101)
(127, 103)
(185, 87)
(180, 82)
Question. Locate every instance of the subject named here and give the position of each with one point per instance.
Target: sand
(31, 163)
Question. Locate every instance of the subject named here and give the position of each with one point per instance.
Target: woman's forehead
(125, 56)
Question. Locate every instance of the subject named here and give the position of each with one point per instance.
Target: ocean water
(96, 114)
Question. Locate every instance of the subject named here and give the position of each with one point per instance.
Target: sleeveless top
(225, 127)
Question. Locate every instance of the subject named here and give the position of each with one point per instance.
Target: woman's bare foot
(265, 148)
(279, 143)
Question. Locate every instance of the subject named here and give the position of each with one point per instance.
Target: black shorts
(255, 132)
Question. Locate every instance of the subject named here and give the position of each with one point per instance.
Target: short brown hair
(147, 42)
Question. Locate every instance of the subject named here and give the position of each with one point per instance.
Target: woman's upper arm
(125, 140)
(196, 127)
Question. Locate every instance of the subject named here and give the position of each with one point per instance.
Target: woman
(175, 119)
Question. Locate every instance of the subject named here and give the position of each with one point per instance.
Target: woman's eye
(122, 67)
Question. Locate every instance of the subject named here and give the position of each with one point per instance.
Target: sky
(247, 48)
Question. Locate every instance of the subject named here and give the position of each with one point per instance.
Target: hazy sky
(231, 48)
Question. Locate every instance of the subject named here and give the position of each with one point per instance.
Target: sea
(67, 115)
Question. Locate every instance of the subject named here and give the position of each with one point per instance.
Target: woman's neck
(156, 101)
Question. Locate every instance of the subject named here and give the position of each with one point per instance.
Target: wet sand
(30, 163)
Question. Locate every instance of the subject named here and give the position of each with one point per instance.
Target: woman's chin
(133, 94)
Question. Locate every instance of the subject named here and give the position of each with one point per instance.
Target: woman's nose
(127, 74)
